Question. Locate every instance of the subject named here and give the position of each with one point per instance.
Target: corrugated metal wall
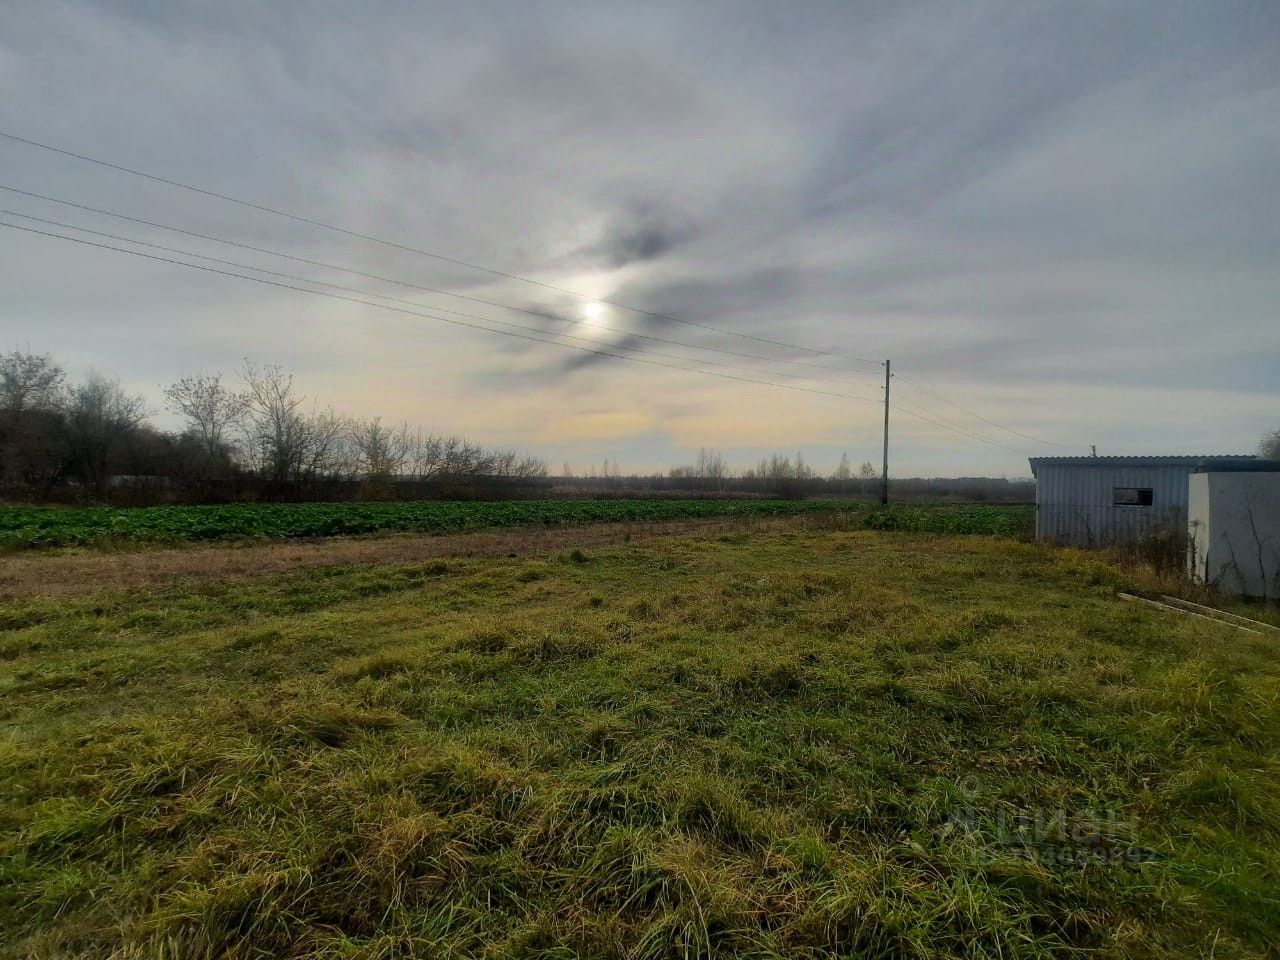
(1074, 502)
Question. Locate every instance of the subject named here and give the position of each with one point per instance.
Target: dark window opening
(1131, 496)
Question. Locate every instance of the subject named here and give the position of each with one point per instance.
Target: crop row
(41, 527)
(34, 527)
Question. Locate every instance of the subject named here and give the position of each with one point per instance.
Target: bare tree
(210, 408)
(530, 468)
(30, 398)
(323, 451)
(803, 470)
(211, 411)
(843, 472)
(711, 469)
(273, 426)
(433, 457)
(510, 465)
(95, 429)
(437, 457)
(380, 452)
(866, 473)
(99, 418)
(29, 381)
(783, 476)
(465, 459)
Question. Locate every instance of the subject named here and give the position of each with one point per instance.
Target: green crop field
(797, 743)
(22, 527)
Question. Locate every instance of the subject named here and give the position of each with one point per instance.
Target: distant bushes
(254, 438)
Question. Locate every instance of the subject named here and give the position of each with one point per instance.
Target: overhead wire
(402, 283)
(941, 422)
(431, 316)
(972, 413)
(263, 208)
(899, 406)
(382, 296)
(475, 326)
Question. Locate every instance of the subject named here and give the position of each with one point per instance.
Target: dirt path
(66, 573)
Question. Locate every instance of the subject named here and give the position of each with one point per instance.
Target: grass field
(26, 527)
(798, 743)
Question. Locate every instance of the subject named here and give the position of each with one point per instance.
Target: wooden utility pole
(884, 477)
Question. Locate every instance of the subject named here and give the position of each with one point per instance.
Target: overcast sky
(1064, 217)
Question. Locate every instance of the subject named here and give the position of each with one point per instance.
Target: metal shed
(1089, 501)
(1233, 525)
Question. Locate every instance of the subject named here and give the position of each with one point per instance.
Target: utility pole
(884, 479)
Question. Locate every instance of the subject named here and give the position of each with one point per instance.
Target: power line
(1017, 433)
(470, 265)
(392, 280)
(499, 273)
(431, 316)
(474, 326)
(425, 253)
(899, 406)
(383, 296)
(948, 423)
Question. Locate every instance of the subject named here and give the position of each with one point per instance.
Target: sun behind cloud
(593, 313)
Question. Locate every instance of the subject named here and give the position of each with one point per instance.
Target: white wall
(1233, 525)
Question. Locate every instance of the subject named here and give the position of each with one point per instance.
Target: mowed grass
(800, 744)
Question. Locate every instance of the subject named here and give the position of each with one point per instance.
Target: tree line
(254, 435)
(777, 473)
(781, 475)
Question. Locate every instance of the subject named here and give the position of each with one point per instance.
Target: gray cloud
(1035, 206)
(636, 234)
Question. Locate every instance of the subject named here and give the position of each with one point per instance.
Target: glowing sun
(593, 311)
